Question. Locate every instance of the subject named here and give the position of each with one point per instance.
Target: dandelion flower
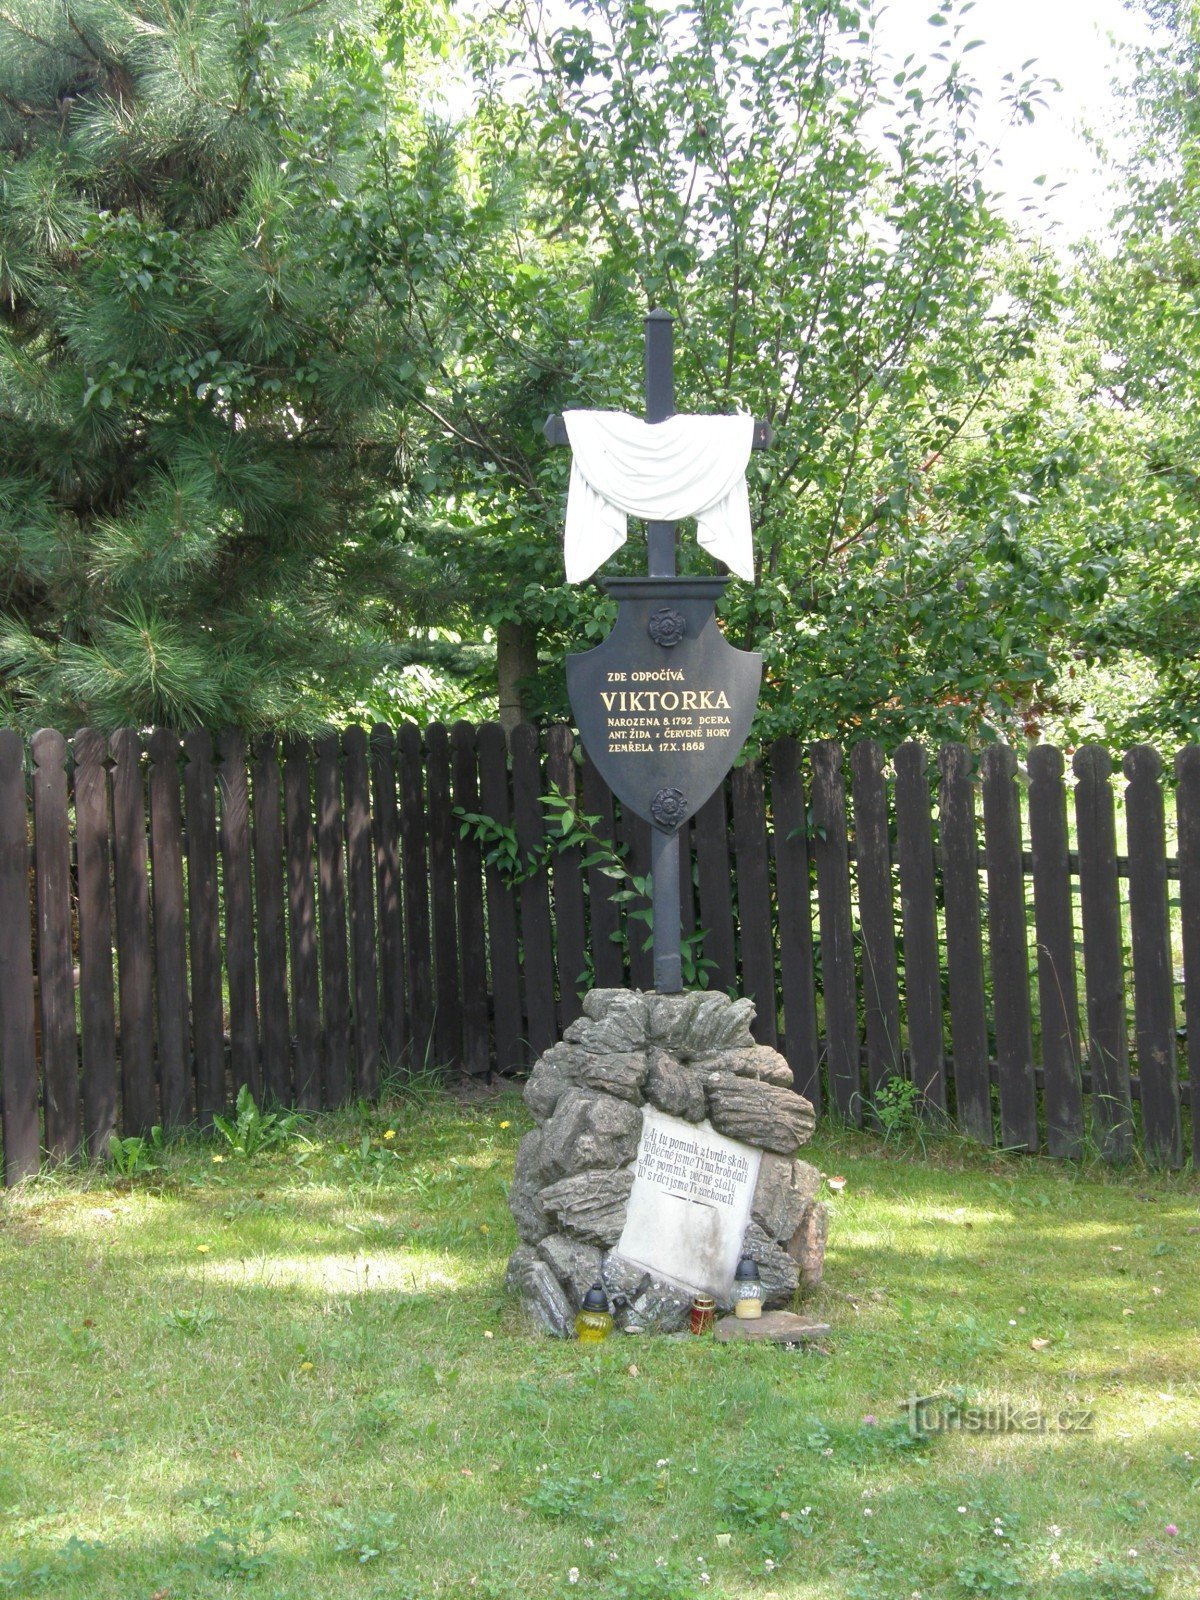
(306, 1366)
(203, 1249)
(506, 1124)
(217, 1160)
(390, 1134)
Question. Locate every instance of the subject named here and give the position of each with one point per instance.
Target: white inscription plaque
(690, 1203)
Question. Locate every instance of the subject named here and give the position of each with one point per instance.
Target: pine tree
(199, 392)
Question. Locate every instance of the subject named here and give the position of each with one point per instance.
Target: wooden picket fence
(179, 917)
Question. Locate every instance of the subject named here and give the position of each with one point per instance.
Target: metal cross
(661, 542)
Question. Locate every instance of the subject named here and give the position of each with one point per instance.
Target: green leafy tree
(203, 477)
(1135, 355)
(818, 221)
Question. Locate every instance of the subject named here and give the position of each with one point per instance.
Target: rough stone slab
(759, 1113)
(541, 1293)
(806, 1180)
(619, 1072)
(661, 1307)
(527, 1180)
(701, 1023)
(590, 1206)
(807, 1245)
(623, 1280)
(576, 1265)
(779, 1272)
(773, 1327)
(553, 1074)
(759, 1062)
(613, 1019)
(589, 1130)
(674, 1088)
(779, 1203)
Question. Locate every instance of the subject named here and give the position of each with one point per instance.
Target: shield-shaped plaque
(665, 703)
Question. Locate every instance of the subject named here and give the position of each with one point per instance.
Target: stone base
(773, 1327)
(693, 1057)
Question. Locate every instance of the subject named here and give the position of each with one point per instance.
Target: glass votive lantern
(747, 1290)
(703, 1312)
(593, 1320)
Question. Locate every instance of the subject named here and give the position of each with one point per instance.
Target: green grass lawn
(299, 1376)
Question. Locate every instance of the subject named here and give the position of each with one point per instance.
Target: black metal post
(660, 538)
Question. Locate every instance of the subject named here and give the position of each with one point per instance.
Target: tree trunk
(516, 661)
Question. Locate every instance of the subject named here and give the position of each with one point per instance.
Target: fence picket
(269, 876)
(1058, 1001)
(831, 855)
(754, 900)
(204, 939)
(1007, 949)
(393, 1029)
(56, 981)
(447, 1021)
(472, 932)
(302, 923)
(569, 927)
(170, 930)
(794, 890)
(1187, 808)
(135, 979)
(417, 937)
(97, 1013)
(687, 880)
(361, 890)
(1153, 994)
(236, 884)
(530, 826)
(716, 895)
(501, 904)
(608, 964)
(877, 917)
(18, 1050)
(918, 923)
(634, 834)
(331, 907)
(964, 946)
(1103, 965)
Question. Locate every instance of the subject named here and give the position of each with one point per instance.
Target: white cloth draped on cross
(687, 466)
